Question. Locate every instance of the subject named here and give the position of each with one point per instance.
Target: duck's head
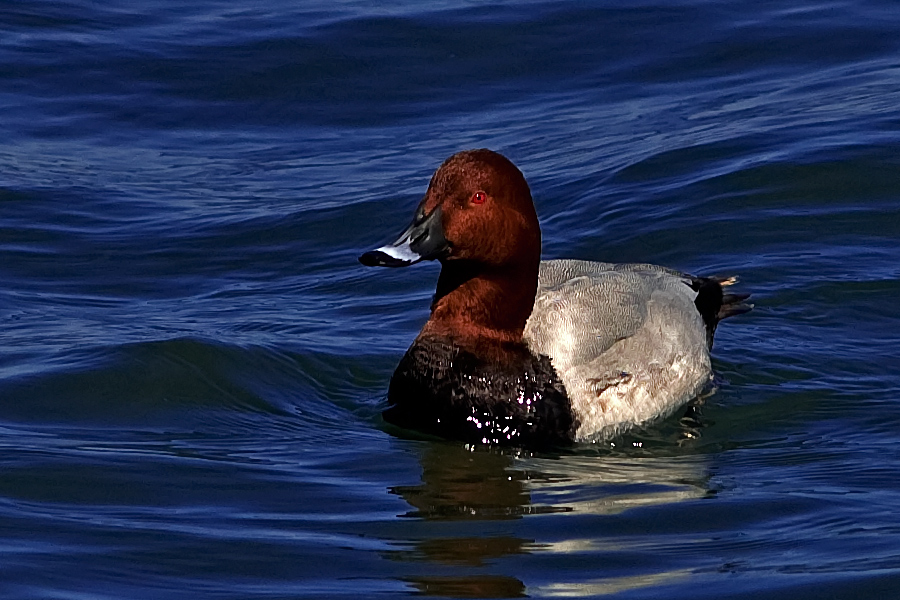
(478, 210)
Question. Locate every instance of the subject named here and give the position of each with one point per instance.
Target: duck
(524, 352)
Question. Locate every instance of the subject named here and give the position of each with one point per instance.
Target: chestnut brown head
(477, 208)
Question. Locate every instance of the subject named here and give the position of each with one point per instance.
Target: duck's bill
(398, 254)
(423, 240)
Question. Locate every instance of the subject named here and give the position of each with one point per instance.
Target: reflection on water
(458, 483)
(605, 485)
(478, 586)
(474, 500)
(612, 585)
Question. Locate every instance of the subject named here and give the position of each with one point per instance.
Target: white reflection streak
(613, 585)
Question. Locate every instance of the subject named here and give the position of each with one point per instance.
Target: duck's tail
(714, 304)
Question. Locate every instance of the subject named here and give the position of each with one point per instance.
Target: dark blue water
(192, 362)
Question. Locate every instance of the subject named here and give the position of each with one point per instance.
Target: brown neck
(478, 306)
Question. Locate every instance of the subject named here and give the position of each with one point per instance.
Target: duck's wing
(627, 340)
(582, 308)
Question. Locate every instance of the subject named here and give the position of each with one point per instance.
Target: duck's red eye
(479, 198)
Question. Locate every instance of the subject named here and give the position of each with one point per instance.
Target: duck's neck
(479, 307)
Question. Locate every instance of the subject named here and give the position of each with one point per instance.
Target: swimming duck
(539, 353)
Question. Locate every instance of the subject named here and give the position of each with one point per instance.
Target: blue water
(193, 364)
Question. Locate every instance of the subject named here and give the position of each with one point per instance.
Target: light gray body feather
(626, 339)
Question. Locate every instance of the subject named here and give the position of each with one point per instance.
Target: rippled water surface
(193, 363)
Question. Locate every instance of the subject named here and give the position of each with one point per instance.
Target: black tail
(714, 304)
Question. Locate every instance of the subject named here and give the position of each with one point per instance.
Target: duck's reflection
(475, 586)
(468, 508)
(463, 485)
(459, 483)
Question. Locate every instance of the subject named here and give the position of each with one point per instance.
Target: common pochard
(524, 352)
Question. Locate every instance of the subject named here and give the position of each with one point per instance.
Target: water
(193, 364)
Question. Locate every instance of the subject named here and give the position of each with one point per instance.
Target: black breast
(442, 389)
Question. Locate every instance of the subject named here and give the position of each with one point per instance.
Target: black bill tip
(377, 258)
